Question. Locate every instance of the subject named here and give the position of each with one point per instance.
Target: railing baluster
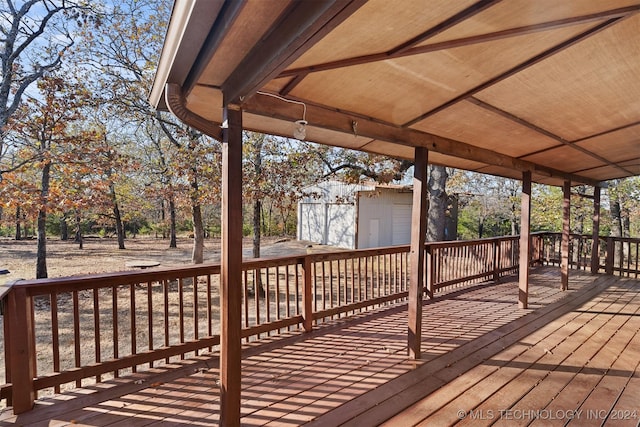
(132, 320)
(181, 312)
(245, 301)
(114, 307)
(150, 318)
(288, 294)
(268, 298)
(96, 330)
(55, 338)
(297, 288)
(209, 315)
(165, 291)
(196, 325)
(257, 286)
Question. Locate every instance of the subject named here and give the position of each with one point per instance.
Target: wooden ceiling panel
(587, 89)
(401, 89)
(379, 26)
(478, 126)
(564, 158)
(615, 146)
(244, 34)
(522, 13)
(508, 100)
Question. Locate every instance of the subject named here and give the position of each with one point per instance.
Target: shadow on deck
(484, 360)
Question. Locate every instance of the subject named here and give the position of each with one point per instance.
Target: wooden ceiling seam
(537, 129)
(586, 138)
(619, 128)
(465, 41)
(298, 28)
(459, 17)
(624, 161)
(518, 68)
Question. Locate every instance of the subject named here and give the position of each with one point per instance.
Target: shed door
(401, 225)
(374, 233)
(312, 222)
(340, 226)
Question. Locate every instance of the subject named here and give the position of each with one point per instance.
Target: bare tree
(34, 38)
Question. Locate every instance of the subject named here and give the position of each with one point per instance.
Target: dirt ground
(101, 255)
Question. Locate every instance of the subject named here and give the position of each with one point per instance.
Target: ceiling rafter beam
(340, 121)
(301, 26)
(517, 69)
(544, 132)
(498, 35)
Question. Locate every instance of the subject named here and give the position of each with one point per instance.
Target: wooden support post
(416, 256)
(566, 235)
(525, 241)
(307, 295)
(595, 244)
(496, 261)
(231, 268)
(22, 356)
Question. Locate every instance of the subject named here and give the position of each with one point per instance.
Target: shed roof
(492, 86)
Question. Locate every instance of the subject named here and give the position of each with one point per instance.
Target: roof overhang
(497, 87)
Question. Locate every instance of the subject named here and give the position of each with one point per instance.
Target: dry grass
(103, 255)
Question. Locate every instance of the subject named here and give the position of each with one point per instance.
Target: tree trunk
(117, 217)
(64, 229)
(41, 257)
(78, 239)
(257, 209)
(436, 186)
(18, 224)
(197, 257)
(173, 242)
(617, 226)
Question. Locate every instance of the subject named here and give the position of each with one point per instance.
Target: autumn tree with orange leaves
(50, 141)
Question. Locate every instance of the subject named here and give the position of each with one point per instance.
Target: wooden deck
(570, 355)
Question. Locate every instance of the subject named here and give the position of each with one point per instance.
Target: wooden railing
(69, 332)
(616, 255)
(461, 263)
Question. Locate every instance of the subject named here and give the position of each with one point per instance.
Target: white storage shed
(355, 216)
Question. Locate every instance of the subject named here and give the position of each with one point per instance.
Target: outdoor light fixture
(300, 126)
(300, 130)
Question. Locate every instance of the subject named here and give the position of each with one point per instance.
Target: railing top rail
(357, 253)
(92, 281)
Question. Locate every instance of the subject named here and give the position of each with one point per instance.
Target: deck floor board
(570, 351)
